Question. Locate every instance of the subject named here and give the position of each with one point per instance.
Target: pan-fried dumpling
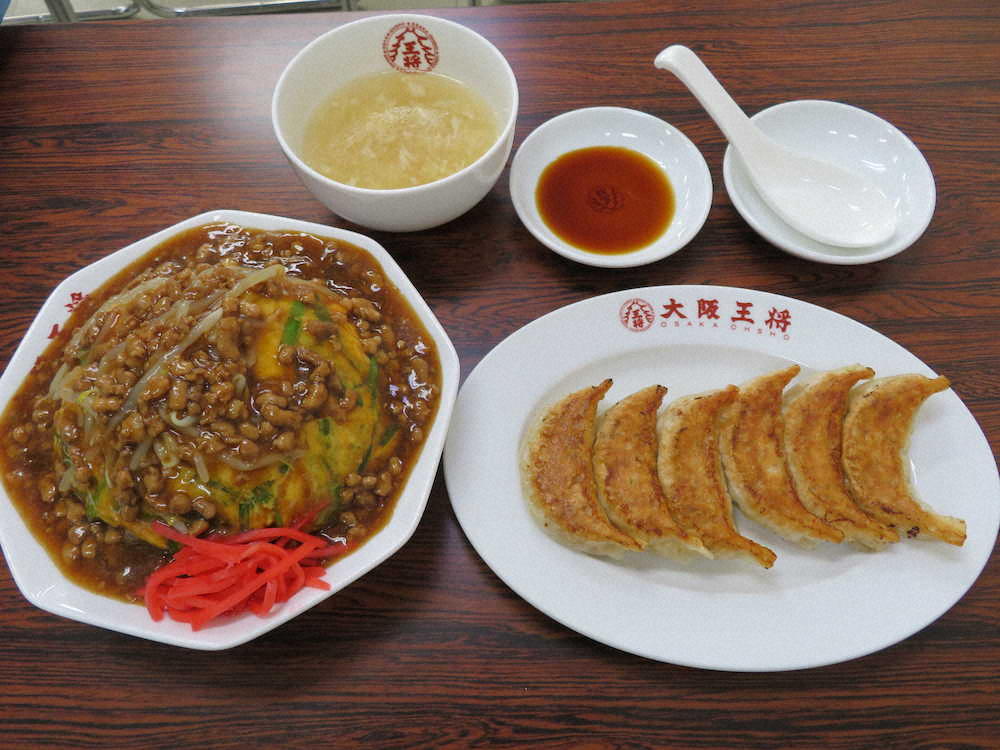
(753, 458)
(558, 476)
(876, 437)
(814, 425)
(690, 472)
(627, 484)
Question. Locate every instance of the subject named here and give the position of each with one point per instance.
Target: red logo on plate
(636, 315)
(409, 47)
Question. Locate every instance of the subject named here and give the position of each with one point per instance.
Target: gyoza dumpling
(876, 437)
(690, 473)
(558, 475)
(814, 426)
(753, 459)
(625, 469)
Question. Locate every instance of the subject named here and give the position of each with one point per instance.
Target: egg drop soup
(398, 130)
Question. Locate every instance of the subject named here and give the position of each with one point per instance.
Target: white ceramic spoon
(819, 199)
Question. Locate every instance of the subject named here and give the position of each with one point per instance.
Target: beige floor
(36, 11)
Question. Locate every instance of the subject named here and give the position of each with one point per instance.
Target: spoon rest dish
(817, 197)
(854, 139)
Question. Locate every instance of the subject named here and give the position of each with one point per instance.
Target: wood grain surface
(109, 132)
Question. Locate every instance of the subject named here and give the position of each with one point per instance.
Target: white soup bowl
(410, 43)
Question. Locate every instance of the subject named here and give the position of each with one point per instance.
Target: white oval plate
(856, 140)
(627, 128)
(814, 607)
(37, 576)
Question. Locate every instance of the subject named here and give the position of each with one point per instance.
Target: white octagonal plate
(40, 580)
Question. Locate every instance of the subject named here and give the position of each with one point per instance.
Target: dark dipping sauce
(605, 199)
(214, 407)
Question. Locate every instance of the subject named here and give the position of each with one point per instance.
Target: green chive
(293, 325)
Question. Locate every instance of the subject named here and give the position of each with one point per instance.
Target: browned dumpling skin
(690, 472)
(558, 473)
(814, 426)
(753, 459)
(876, 437)
(627, 484)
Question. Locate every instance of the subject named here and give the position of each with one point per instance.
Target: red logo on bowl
(409, 47)
(636, 315)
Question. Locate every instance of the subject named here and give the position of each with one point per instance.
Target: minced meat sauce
(231, 379)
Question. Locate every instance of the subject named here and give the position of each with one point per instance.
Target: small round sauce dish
(610, 187)
(851, 138)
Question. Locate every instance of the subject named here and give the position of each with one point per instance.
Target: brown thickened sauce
(605, 199)
(403, 370)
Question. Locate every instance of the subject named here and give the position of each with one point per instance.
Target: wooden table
(109, 132)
